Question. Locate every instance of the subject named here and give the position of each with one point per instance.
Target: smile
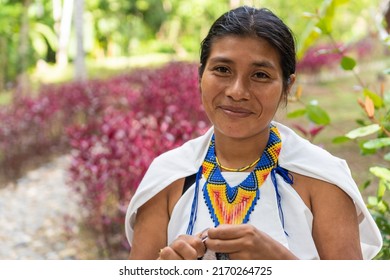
(237, 112)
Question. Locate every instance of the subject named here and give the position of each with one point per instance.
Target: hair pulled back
(262, 23)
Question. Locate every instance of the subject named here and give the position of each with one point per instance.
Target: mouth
(234, 111)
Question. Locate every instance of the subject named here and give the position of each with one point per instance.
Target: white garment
(297, 155)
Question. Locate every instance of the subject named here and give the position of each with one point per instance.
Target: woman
(250, 188)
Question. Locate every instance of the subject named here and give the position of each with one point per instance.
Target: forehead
(244, 49)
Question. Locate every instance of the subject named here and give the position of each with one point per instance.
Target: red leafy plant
(328, 56)
(309, 132)
(32, 128)
(150, 112)
(114, 128)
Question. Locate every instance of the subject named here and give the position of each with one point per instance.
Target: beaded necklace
(237, 169)
(233, 205)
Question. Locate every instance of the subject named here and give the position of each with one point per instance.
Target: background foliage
(116, 28)
(372, 133)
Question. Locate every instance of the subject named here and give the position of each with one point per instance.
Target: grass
(45, 73)
(100, 68)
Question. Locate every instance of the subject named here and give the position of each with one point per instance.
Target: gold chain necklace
(237, 169)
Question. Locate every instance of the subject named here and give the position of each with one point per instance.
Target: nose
(238, 89)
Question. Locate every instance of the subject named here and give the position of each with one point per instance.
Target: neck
(239, 152)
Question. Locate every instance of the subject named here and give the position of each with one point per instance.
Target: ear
(291, 82)
(286, 92)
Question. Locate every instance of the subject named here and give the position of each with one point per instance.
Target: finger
(224, 246)
(223, 232)
(185, 249)
(198, 242)
(226, 232)
(203, 235)
(189, 247)
(167, 253)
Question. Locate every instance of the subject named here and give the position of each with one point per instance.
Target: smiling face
(242, 86)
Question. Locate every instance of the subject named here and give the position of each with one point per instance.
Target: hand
(245, 242)
(185, 247)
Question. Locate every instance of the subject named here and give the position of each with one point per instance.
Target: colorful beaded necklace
(233, 205)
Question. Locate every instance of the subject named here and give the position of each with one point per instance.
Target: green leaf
(47, 33)
(387, 157)
(341, 2)
(382, 206)
(325, 25)
(361, 122)
(382, 187)
(326, 12)
(365, 185)
(363, 131)
(309, 15)
(378, 101)
(364, 151)
(317, 115)
(381, 172)
(348, 63)
(40, 46)
(377, 143)
(340, 139)
(296, 113)
(386, 71)
(321, 23)
(372, 200)
(310, 36)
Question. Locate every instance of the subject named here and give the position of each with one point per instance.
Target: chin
(242, 131)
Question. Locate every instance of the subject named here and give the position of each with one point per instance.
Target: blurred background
(92, 90)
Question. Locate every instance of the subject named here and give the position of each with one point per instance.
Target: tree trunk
(65, 27)
(57, 11)
(387, 18)
(80, 70)
(23, 48)
(3, 62)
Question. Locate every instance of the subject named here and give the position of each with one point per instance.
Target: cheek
(271, 95)
(207, 103)
(204, 98)
(207, 93)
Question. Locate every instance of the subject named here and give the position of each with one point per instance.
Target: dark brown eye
(260, 75)
(222, 69)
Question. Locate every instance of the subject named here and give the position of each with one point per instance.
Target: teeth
(237, 111)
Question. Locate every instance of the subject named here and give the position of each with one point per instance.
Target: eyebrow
(261, 63)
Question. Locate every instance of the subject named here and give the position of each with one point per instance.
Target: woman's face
(242, 85)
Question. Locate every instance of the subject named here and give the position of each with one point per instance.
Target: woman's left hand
(245, 242)
(185, 247)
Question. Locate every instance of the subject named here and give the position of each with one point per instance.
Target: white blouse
(297, 155)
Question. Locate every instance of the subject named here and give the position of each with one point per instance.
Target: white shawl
(297, 155)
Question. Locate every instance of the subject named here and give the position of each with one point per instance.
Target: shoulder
(335, 226)
(315, 191)
(329, 189)
(315, 170)
(164, 201)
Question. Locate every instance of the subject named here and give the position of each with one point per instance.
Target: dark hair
(262, 23)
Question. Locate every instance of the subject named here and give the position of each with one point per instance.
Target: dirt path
(39, 216)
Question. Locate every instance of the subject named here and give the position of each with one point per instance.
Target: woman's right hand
(185, 247)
